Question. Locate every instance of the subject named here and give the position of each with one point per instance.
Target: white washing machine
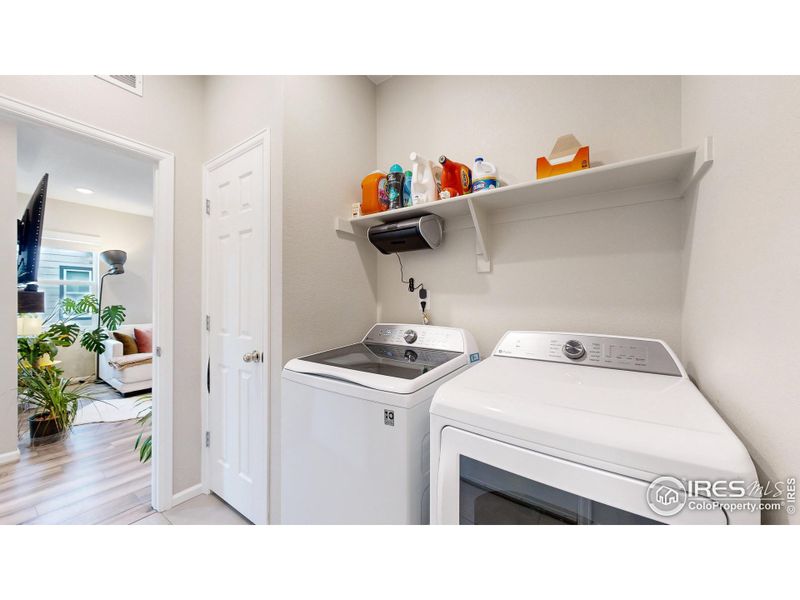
(561, 428)
(355, 425)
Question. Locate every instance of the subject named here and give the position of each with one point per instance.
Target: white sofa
(133, 378)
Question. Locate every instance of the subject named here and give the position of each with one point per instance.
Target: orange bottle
(456, 178)
(373, 193)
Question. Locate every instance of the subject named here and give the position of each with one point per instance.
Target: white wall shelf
(662, 176)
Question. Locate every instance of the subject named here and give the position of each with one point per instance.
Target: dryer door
(482, 481)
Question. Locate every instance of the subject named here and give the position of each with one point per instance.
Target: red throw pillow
(144, 339)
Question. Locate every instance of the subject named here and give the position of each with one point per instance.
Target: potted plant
(54, 399)
(62, 331)
(144, 441)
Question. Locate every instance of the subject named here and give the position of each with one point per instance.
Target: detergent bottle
(456, 178)
(407, 189)
(484, 175)
(426, 178)
(373, 193)
(394, 186)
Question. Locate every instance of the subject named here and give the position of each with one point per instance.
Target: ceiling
(378, 79)
(120, 181)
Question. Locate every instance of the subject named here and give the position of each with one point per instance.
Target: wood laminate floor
(92, 476)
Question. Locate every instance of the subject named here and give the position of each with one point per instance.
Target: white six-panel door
(236, 255)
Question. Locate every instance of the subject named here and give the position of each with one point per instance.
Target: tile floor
(200, 510)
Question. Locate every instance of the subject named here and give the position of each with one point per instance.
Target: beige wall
(613, 271)
(8, 291)
(329, 283)
(169, 116)
(742, 265)
(113, 230)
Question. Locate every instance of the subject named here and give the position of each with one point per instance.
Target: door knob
(254, 356)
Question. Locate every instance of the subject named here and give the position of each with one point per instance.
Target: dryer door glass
(492, 496)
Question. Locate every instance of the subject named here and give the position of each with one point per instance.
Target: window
(66, 274)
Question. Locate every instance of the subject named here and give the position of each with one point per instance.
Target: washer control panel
(421, 336)
(629, 354)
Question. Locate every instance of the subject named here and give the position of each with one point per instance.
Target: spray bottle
(425, 179)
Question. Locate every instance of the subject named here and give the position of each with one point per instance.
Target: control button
(411, 356)
(573, 350)
(410, 336)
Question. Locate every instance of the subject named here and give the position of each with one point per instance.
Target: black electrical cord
(423, 293)
(410, 280)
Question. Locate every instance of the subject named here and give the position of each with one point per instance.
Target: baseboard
(9, 457)
(187, 494)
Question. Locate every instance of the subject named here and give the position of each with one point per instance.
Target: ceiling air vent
(132, 83)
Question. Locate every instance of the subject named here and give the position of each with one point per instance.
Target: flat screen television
(29, 242)
(29, 235)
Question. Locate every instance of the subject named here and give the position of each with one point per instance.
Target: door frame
(163, 279)
(262, 138)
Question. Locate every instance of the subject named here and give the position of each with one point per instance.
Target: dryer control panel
(421, 336)
(629, 354)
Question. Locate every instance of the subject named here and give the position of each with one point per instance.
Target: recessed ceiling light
(86, 191)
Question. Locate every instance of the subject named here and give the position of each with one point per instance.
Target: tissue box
(567, 156)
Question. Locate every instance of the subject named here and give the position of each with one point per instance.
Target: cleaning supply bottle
(394, 186)
(373, 193)
(484, 175)
(407, 189)
(426, 179)
(456, 178)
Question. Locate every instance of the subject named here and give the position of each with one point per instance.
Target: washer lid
(658, 424)
(394, 357)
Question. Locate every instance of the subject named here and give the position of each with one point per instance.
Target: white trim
(163, 278)
(188, 494)
(9, 457)
(262, 138)
(163, 334)
(73, 238)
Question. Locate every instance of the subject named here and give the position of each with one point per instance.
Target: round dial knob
(573, 349)
(410, 336)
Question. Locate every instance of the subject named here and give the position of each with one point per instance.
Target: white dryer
(354, 425)
(584, 429)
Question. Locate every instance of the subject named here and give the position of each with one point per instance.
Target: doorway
(236, 301)
(162, 171)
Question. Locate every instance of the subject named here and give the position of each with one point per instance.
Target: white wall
(113, 230)
(8, 291)
(742, 265)
(613, 271)
(168, 116)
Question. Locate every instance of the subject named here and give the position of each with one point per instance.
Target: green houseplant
(144, 441)
(54, 399)
(40, 384)
(60, 329)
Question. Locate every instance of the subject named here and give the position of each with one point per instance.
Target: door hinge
(208, 322)
(208, 439)
(208, 206)
(158, 351)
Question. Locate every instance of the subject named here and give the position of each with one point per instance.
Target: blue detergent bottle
(407, 189)
(394, 186)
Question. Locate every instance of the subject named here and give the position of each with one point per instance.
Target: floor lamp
(115, 259)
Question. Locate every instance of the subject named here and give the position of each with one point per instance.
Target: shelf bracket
(481, 223)
(345, 226)
(704, 158)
